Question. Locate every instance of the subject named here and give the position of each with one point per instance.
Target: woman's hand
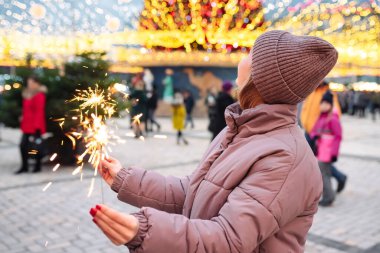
(108, 169)
(118, 227)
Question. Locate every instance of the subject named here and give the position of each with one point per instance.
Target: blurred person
(309, 116)
(257, 186)
(362, 103)
(223, 100)
(210, 102)
(148, 79)
(327, 133)
(179, 117)
(189, 105)
(351, 103)
(168, 86)
(311, 106)
(343, 101)
(152, 107)
(33, 123)
(375, 104)
(356, 102)
(139, 106)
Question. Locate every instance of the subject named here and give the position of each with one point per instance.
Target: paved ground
(57, 220)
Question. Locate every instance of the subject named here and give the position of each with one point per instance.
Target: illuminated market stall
(184, 32)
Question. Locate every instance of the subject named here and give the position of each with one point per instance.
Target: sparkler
(95, 107)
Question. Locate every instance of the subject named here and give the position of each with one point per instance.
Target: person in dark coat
(363, 102)
(223, 100)
(210, 102)
(139, 108)
(189, 105)
(33, 123)
(375, 104)
(152, 107)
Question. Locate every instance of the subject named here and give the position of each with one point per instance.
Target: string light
(189, 31)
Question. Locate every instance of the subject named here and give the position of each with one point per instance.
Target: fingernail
(98, 207)
(93, 212)
(94, 221)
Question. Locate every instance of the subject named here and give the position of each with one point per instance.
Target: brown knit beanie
(286, 68)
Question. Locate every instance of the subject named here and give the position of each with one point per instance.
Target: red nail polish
(93, 212)
(94, 221)
(98, 207)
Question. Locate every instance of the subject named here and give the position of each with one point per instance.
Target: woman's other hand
(118, 227)
(108, 168)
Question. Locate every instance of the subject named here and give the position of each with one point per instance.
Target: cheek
(244, 70)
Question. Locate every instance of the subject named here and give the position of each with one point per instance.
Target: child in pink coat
(327, 132)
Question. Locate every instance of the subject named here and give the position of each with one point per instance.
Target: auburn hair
(249, 96)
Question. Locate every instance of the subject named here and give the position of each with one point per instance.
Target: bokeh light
(184, 32)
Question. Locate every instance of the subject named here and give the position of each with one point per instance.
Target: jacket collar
(259, 120)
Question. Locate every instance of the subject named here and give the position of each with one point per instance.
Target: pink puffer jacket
(256, 190)
(329, 124)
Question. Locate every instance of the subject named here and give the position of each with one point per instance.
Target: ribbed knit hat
(286, 68)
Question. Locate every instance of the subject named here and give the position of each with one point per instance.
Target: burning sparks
(91, 187)
(95, 107)
(46, 186)
(56, 167)
(136, 119)
(77, 170)
(33, 152)
(53, 157)
(160, 136)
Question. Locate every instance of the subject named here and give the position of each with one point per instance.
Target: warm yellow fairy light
(351, 26)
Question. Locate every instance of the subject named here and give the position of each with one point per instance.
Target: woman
(258, 185)
(309, 116)
(179, 117)
(223, 100)
(327, 134)
(168, 86)
(33, 123)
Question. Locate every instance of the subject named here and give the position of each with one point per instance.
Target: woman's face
(32, 84)
(244, 70)
(325, 107)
